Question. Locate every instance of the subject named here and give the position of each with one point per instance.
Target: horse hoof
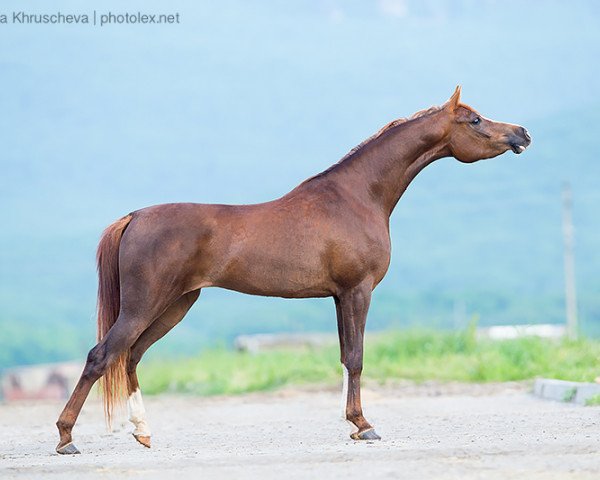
(143, 439)
(68, 449)
(365, 435)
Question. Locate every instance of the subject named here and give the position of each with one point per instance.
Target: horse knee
(354, 365)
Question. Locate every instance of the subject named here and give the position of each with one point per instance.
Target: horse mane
(389, 126)
(379, 133)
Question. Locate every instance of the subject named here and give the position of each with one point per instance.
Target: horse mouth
(517, 148)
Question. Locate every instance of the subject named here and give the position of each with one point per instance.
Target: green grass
(417, 355)
(593, 401)
(570, 395)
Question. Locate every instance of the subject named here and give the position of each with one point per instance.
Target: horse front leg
(353, 306)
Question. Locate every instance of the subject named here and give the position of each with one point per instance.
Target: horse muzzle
(519, 140)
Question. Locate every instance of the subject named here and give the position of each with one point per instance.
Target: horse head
(473, 137)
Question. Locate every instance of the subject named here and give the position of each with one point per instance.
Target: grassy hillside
(417, 355)
(97, 123)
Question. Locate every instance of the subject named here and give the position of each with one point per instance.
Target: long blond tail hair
(114, 382)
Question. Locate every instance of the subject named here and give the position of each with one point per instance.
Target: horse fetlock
(65, 445)
(64, 428)
(355, 416)
(137, 414)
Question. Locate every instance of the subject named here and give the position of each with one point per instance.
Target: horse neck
(381, 171)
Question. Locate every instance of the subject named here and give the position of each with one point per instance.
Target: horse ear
(454, 101)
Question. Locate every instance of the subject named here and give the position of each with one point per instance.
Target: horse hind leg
(158, 329)
(117, 341)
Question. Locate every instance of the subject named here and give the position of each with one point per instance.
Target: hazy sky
(241, 101)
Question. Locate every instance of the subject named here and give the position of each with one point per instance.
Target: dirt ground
(429, 432)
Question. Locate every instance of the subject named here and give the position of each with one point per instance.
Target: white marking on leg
(344, 390)
(137, 413)
(353, 427)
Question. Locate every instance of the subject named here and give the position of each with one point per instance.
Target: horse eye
(477, 121)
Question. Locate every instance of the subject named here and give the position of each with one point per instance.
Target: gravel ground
(431, 432)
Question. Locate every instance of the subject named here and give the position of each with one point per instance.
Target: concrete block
(565, 391)
(586, 391)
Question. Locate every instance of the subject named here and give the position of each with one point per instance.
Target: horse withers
(328, 237)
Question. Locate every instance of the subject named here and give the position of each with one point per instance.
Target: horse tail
(113, 383)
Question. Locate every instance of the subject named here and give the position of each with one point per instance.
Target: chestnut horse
(329, 237)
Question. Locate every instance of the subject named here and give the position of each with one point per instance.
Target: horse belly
(278, 269)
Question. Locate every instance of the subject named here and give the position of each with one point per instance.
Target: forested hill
(100, 122)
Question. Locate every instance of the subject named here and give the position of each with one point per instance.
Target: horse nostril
(525, 133)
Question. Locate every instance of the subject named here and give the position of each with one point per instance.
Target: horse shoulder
(359, 243)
